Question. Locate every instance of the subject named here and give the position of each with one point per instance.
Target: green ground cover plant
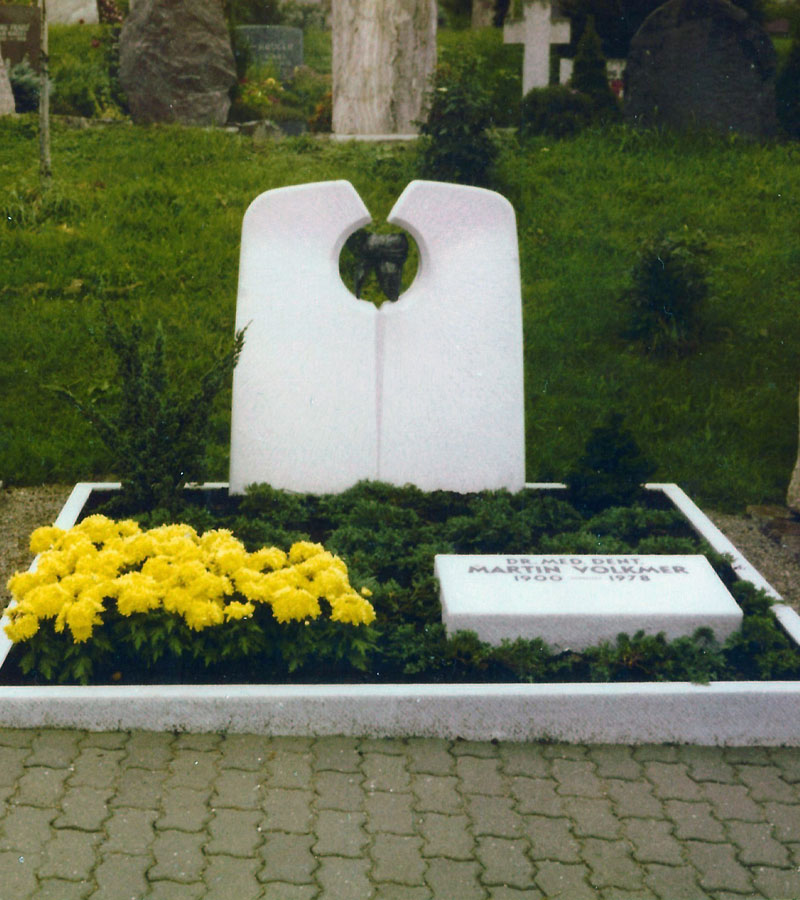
(148, 220)
(388, 537)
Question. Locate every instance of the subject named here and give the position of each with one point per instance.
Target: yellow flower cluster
(208, 579)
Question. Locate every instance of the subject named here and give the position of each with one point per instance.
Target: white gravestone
(574, 602)
(330, 390)
(72, 12)
(537, 30)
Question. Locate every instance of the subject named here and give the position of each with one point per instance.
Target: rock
(384, 52)
(176, 62)
(6, 94)
(702, 64)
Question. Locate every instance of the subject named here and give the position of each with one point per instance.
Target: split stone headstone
(384, 53)
(176, 62)
(6, 94)
(72, 12)
(276, 44)
(537, 31)
(702, 64)
(331, 390)
(20, 32)
(574, 602)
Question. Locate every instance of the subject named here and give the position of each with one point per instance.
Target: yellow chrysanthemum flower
(47, 600)
(21, 582)
(267, 558)
(45, 537)
(97, 528)
(294, 604)
(136, 593)
(353, 609)
(304, 550)
(22, 628)
(237, 610)
(202, 613)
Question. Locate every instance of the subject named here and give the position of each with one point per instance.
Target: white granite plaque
(577, 601)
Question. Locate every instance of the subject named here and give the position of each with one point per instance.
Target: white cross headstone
(537, 30)
(330, 390)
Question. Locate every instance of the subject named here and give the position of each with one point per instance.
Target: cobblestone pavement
(178, 817)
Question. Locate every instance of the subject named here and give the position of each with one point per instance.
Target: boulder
(176, 62)
(702, 64)
(6, 94)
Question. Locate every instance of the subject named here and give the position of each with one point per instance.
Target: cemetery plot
(573, 602)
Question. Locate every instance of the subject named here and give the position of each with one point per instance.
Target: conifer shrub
(589, 75)
(157, 428)
(25, 84)
(609, 473)
(556, 111)
(669, 289)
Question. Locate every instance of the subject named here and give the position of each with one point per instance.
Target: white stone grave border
(721, 713)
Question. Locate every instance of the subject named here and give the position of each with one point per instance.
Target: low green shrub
(610, 473)
(455, 144)
(669, 289)
(156, 428)
(25, 85)
(589, 75)
(556, 111)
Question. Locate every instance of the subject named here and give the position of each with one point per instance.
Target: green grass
(148, 219)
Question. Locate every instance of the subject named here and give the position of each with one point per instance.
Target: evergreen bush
(589, 74)
(556, 111)
(610, 472)
(455, 144)
(158, 433)
(670, 287)
(25, 82)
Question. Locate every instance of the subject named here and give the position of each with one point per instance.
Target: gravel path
(24, 508)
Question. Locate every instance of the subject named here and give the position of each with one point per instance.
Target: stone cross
(330, 390)
(384, 53)
(537, 31)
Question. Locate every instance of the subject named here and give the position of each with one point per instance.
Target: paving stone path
(115, 816)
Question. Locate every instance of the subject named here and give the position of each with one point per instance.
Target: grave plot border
(720, 713)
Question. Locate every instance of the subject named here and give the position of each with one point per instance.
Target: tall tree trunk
(384, 52)
(45, 170)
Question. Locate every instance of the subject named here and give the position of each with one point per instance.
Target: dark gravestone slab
(20, 33)
(702, 64)
(176, 62)
(278, 44)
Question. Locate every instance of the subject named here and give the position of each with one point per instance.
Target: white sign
(577, 601)
(330, 390)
